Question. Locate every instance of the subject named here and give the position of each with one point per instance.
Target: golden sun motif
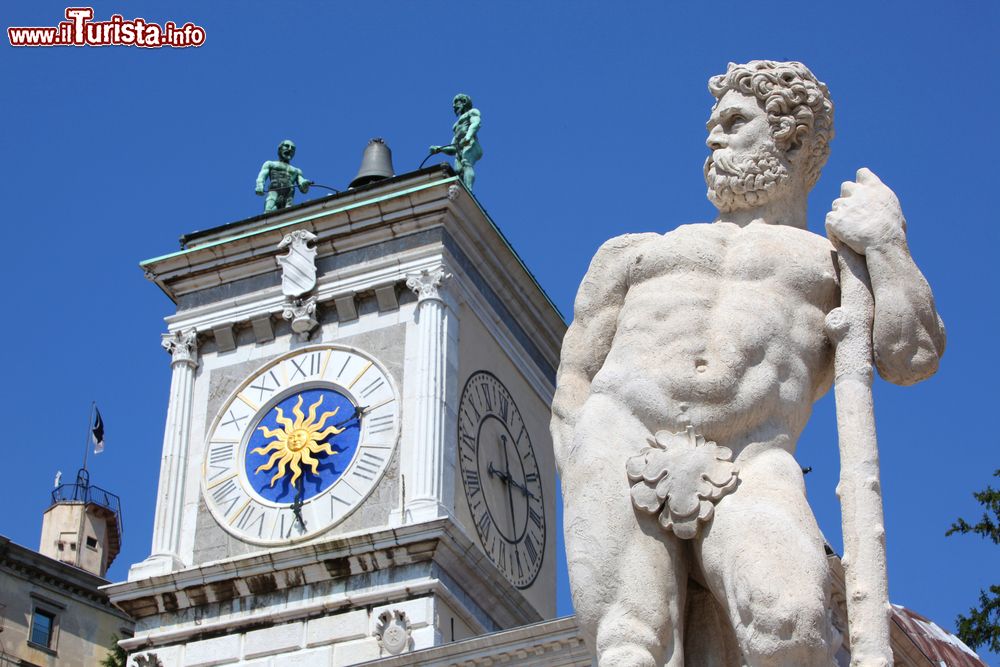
(297, 442)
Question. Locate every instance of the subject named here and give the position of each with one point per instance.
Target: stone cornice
(337, 226)
(550, 644)
(347, 199)
(378, 273)
(440, 541)
(58, 577)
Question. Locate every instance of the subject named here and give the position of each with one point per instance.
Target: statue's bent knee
(626, 640)
(793, 632)
(626, 656)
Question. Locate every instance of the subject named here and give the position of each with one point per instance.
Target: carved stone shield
(298, 267)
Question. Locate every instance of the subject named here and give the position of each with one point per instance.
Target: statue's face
(737, 123)
(286, 151)
(461, 105)
(745, 168)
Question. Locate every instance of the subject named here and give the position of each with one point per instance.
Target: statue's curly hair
(798, 106)
(463, 97)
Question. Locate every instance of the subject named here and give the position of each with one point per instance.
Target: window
(92, 543)
(43, 625)
(67, 540)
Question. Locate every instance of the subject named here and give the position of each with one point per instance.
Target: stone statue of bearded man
(687, 375)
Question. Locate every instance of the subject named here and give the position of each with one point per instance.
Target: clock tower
(356, 462)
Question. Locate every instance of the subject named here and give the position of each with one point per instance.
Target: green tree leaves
(982, 626)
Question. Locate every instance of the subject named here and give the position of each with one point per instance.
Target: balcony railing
(85, 492)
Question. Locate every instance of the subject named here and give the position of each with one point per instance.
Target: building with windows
(52, 610)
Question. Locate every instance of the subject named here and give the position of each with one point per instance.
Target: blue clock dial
(302, 445)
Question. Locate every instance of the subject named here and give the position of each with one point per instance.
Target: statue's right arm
(588, 339)
(264, 170)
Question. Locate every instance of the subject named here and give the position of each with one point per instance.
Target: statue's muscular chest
(284, 168)
(724, 255)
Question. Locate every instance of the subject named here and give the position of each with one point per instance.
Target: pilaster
(427, 463)
(164, 558)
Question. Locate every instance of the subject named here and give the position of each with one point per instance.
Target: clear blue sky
(593, 126)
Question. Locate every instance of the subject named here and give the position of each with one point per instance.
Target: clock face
(501, 479)
(300, 444)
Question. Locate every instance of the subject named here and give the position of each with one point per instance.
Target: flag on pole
(97, 432)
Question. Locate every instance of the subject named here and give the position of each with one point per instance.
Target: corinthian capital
(182, 346)
(427, 282)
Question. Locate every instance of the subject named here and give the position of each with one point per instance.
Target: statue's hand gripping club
(866, 215)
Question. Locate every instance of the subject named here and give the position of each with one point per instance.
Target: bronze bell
(376, 164)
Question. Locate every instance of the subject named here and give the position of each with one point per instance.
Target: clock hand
(510, 492)
(358, 411)
(523, 489)
(508, 479)
(297, 505)
(504, 477)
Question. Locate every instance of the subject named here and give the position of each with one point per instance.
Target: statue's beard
(744, 180)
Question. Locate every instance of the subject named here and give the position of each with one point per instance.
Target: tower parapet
(83, 526)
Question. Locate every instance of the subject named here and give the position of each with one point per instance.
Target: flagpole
(90, 428)
(84, 494)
